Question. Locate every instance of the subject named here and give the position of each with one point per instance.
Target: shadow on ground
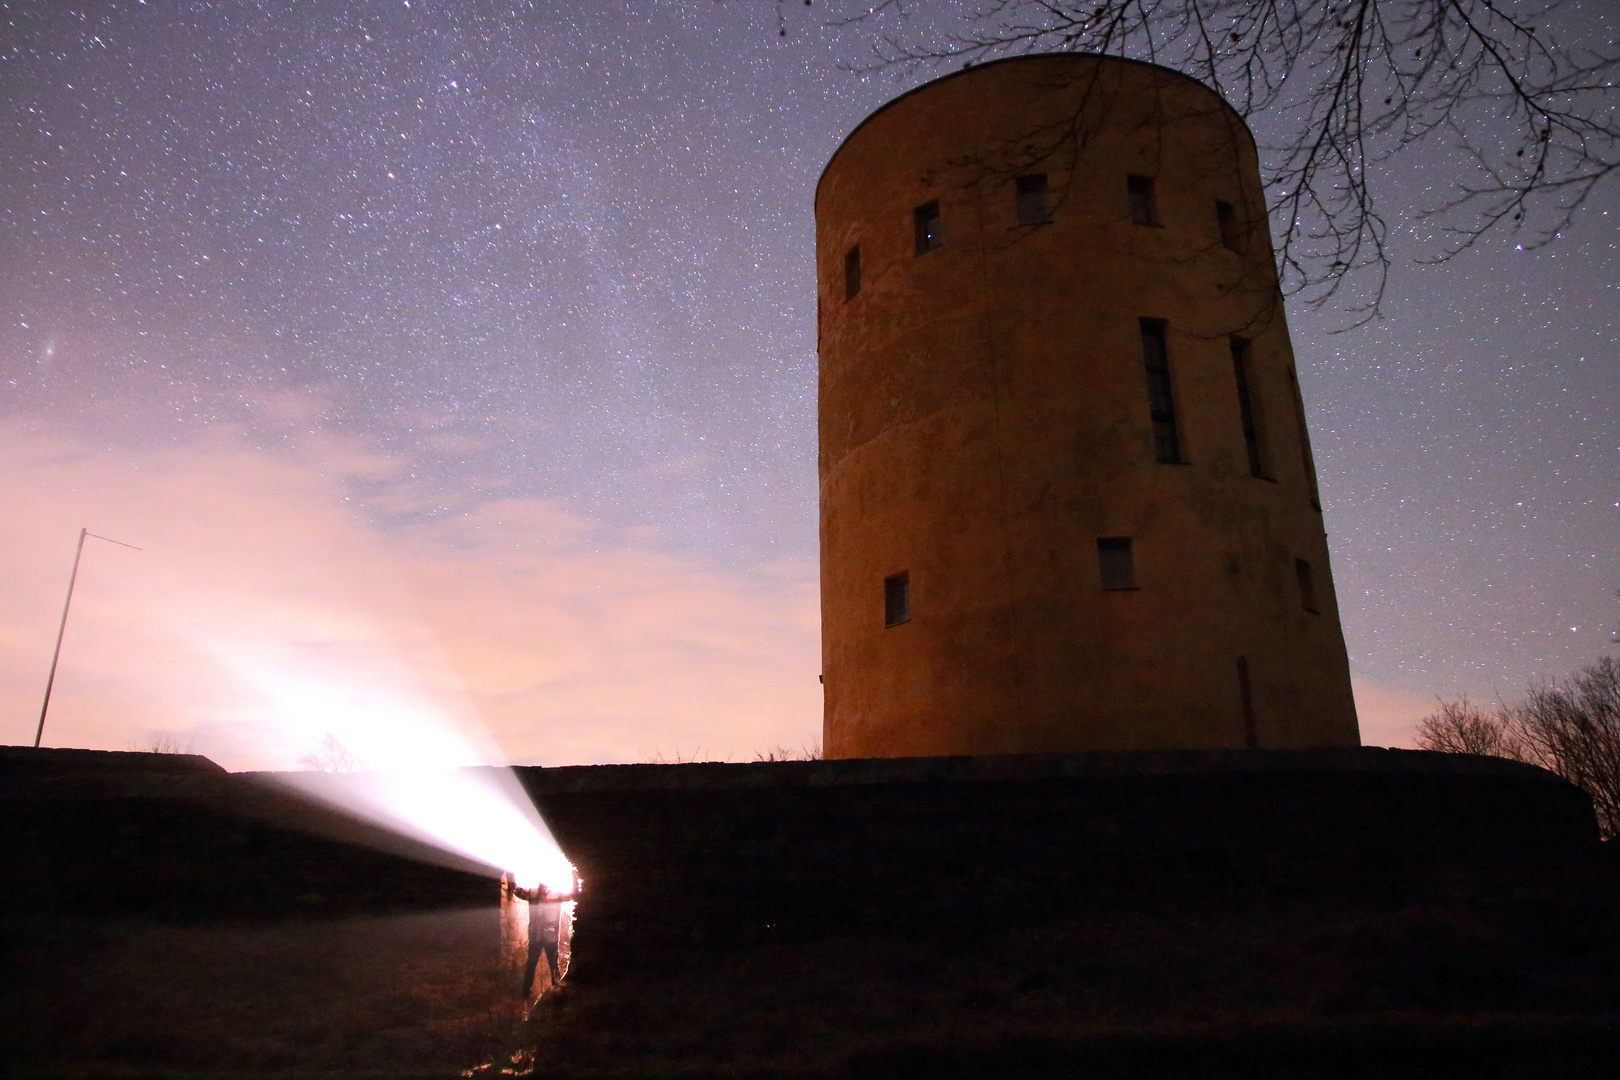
(1524, 986)
(424, 994)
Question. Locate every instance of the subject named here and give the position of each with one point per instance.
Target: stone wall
(174, 837)
(691, 858)
(684, 859)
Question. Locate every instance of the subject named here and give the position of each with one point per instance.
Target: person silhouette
(545, 929)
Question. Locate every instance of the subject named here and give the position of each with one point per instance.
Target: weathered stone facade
(999, 254)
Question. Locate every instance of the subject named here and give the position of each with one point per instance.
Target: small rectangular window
(1251, 731)
(852, 272)
(1307, 586)
(925, 223)
(1115, 562)
(1144, 207)
(1304, 441)
(897, 599)
(1033, 207)
(1161, 401)
(1249, 412)
(1226, 217)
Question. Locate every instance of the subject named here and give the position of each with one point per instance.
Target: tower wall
(985, 420)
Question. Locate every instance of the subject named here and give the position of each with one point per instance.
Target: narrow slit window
(1144, 206)
(1230, 223)
(1251, 731)
(852, 272)
(1307, 586)
(1304, 440)
(1116, 563)
(1161, 400)
(1249, 411)
(926, 225)
(897, 599)
(1034, 208)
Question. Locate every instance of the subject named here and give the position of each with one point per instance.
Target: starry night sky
(471, 350)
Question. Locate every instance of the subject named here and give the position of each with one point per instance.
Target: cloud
(270, 605)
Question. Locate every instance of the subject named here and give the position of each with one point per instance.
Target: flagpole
(62, 629)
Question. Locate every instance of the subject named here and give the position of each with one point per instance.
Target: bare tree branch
(1571, 728)
(329, 755)
(1461, 727)
(1351, 84)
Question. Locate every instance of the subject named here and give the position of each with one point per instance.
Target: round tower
(1067, 496)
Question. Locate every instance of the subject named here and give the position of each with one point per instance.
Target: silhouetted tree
(1348, 84)
(165, 742)
(329, 755)
(1461, 727)
(1571, 728)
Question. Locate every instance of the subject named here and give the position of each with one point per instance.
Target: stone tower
(1067, 496)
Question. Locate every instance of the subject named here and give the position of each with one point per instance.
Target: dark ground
(1517, 987)
(397, 995)
(1264, 915)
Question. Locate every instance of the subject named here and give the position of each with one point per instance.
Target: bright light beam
(480, 813)
(422, 777)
